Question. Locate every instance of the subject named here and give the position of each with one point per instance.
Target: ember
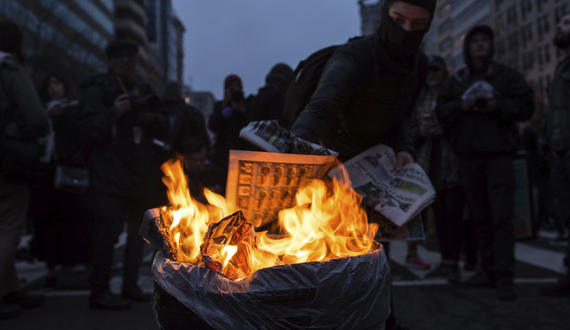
(325, 223)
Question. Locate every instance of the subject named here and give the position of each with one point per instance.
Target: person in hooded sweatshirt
(269, 102)
(478, 107)
(369, 88)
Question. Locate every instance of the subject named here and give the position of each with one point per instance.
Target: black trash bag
(344, 293)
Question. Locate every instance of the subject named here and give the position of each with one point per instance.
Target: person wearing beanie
(269, 102)
(478, 108)
(116, 123)
(369, 89)
(230, 115)
(370, 85)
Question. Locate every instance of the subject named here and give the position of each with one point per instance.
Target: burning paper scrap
(230, 248)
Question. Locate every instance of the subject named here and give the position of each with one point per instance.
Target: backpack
(305, 80)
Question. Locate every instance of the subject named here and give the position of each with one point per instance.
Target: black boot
(108, 301)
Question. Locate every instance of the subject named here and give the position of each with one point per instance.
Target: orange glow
(326, 222)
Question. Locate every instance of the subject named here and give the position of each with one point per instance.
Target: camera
(237, 96)
(481, 103)
(140, 102)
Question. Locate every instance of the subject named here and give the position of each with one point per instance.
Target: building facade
(64, 36)
(165, 33)
(524, 32)
(370, 13)
(131, 22)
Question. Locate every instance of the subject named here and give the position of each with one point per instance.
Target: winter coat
(480, 134)
(475, 133)
(269, 102)
(558, 122)
(184, 122)
(21, 111)
(365, 97)
(118, 165)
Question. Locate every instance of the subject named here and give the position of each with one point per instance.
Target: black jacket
(227, 132)
(474, 133)
(184, 121)
(558, 123)
(118, 165)
(365, 96)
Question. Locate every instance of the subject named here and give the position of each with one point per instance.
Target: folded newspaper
(399, 196)
(263, 183)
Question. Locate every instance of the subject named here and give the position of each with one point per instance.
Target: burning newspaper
(399, 196)
(263, 183)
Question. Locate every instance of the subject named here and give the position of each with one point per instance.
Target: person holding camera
(117, 122)
(477, 108)
(228, 118)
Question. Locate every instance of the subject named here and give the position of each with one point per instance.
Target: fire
(326, 222)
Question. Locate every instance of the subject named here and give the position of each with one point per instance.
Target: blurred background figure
(230, 115)
(270, 99)
(440, 163)
(22, 123)
(63, 221)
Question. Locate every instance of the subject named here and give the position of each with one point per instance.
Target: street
(418, 303)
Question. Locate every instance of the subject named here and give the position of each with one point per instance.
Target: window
(512, 14)
(526, 7)
(559, 12)
(528, 61)
(513, 42)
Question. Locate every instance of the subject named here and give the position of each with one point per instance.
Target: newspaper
(399, 196)
(269, 136)
(261, 184)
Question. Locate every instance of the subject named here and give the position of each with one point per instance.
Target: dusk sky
(248, 37)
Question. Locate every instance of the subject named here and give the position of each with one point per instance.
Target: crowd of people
(463, 128)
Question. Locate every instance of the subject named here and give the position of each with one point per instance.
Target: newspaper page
(269, 136)
(399, 196)
(261, 184)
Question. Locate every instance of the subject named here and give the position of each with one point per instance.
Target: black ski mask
(398, 41)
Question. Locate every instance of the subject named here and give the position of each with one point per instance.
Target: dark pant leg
(110, 220)
(474, 173)
(560, 176)
(448, 212)
(13, 211)
(501, 192)
(135, 243)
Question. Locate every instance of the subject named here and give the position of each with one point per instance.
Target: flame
(327, 222)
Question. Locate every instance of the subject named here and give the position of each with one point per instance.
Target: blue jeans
(560, 176)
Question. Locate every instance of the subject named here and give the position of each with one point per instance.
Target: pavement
(418, 303)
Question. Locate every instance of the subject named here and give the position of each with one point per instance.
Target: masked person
(117, 121)
(478, 108)
(558, 138)
(370, 86)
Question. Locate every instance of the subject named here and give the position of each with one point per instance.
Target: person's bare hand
(121, 105)
(403, 158)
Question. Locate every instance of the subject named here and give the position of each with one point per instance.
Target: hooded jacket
(270, 99)
(474, 133)
(366, 94)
